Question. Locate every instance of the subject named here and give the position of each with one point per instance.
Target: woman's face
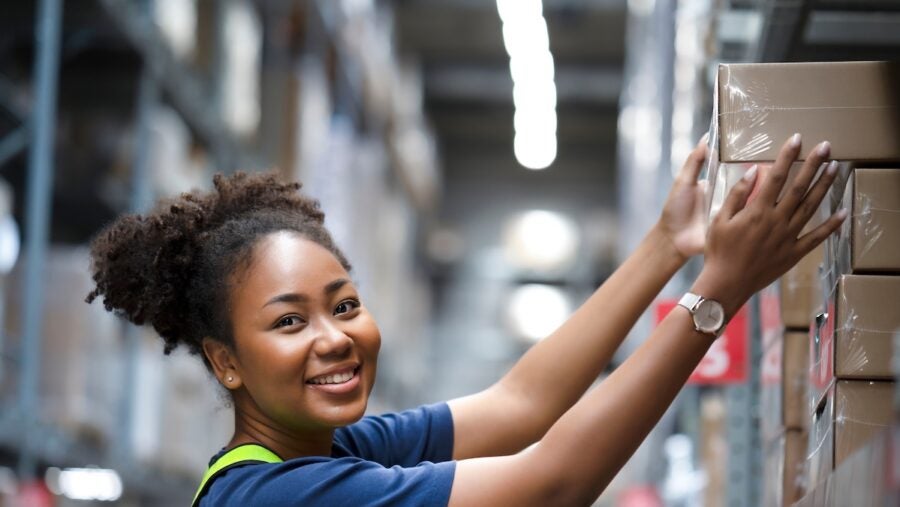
(305, 347)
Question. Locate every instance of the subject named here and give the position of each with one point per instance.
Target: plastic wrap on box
(869, 240)
(784, 481)
(759, 106)
(863, 478)
(723, 176)
(770, 321)
(784, 375)
(801, 292)
(850, 415)
(853, 339)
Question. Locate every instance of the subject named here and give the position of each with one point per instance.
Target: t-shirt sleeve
(332, 482)
(401, 439)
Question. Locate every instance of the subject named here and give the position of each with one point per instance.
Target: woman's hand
(683, 219)
(750, 244)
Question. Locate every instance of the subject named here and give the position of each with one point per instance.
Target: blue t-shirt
(393, 459)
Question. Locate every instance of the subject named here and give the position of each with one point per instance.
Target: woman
(248, 278)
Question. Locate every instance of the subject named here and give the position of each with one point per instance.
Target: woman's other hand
(683, 218)
(750, 244)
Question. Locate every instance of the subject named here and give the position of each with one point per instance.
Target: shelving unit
(319, 29)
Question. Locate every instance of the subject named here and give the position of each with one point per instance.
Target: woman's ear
(221, 357)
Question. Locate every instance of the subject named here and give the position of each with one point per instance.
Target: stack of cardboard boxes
(826, 376)
(851, 377)
(784, 422)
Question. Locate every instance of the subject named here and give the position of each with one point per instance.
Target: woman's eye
(346, 306)
(290, 320)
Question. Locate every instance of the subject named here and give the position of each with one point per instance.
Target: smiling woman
(248, 278)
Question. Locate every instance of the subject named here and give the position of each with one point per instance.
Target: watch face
(709, 316)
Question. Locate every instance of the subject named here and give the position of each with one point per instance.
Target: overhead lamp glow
(512, 11)
(538, 67)
(535, 151)
(541, 240)
(85, 483)
(531, 67)
(537, 120)
(536, 310)
(526, 37)
(534, 93)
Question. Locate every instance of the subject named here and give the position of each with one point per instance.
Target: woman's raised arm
(516, 411)
(749, 246)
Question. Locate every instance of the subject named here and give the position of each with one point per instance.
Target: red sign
(726, 361)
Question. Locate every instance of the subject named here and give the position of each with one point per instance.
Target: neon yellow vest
(246, 454)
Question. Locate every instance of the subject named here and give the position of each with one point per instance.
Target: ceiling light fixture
(527, 42)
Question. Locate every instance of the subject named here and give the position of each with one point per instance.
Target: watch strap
(690, 301)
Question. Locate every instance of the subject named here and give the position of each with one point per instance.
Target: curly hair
(173, 267)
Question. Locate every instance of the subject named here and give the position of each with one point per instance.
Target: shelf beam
(185, 92)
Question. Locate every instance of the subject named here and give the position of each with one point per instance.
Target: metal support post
(742, 405)
(40, 186)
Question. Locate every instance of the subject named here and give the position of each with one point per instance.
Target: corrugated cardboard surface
(820, 460)
(761, 105)
(785, 463)
(772, 327)
(855, 340)
(868, 313)
(870, 240)
(81, 350)
(851, 414)
(801, 292)
(862, 479)
(794, 467)
(783, 402)
(861, 410)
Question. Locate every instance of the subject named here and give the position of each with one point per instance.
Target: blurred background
(485, 166)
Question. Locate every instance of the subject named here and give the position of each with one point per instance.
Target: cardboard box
(80, 382)
(759, 106)
(785, 462)
(771, 326)
(784, 373)
(869, 240)
(853, 339)
(851, 414)
(800, 292)
(864, 478)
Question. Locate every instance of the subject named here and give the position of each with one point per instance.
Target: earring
(230, 379)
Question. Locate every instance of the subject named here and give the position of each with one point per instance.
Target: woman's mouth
(337, 382)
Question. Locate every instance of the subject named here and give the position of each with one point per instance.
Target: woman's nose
(331, 340)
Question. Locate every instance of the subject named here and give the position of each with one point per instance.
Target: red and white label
(726, 360)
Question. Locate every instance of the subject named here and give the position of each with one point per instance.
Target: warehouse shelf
(185, 90)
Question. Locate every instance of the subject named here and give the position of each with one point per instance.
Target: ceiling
(468, 88)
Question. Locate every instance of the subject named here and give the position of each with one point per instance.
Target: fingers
(813, 198)
(774, 181)
(812, 239)
(737, 198)
(792, 198)
(690, 171)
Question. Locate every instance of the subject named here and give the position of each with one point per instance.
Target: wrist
(712, 285)
(661, 241)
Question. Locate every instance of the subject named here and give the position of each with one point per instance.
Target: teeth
(340, 378)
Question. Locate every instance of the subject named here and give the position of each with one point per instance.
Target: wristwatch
(708, 314)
